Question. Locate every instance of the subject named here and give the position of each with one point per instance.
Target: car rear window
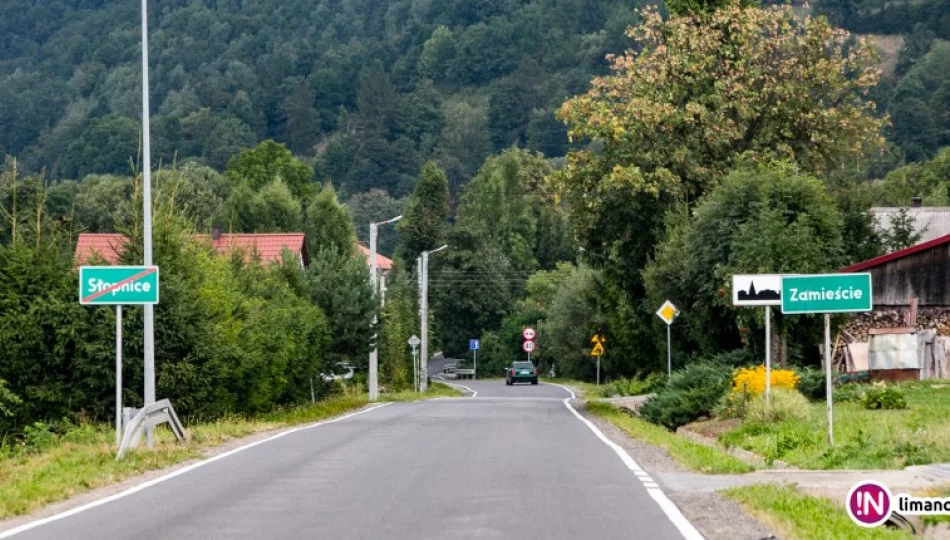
(523, 365)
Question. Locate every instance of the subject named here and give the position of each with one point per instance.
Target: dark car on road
(521, 372)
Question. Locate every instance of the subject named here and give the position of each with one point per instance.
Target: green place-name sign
(118, 285)
(826, 293)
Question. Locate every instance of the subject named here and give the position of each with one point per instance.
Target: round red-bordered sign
(528, 346)
(528, 333)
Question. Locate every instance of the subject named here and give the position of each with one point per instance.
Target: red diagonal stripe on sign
(115, 286)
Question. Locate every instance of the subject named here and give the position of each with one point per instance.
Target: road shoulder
(714, 515)
(103, 492)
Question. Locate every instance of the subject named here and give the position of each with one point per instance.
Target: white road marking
(672, 512)
(135, 489)
(454, 385)
(569, 391)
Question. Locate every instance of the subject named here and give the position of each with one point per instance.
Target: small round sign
(528, 346)
(528, 333)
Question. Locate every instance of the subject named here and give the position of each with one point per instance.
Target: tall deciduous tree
(706, 89)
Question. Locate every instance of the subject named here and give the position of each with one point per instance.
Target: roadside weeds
(689, 454)
(792, 514)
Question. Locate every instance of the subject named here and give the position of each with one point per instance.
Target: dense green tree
(301, 124)
(508, 205)
(930, 181)
(109, 146)
(328, 223)
(338, 283)
(427, 212)
(268, 161)
(767, 219)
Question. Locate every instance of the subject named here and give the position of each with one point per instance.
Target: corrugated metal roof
(931, 222)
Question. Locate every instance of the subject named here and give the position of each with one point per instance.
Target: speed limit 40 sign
(528, 346)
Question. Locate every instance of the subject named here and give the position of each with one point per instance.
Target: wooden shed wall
(925, 274)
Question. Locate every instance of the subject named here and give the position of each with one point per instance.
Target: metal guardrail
(149, 416)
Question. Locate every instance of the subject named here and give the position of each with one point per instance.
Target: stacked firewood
(860, 323)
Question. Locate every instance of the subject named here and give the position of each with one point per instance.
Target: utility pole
(424, 322)
(149, 360)
(374, 282)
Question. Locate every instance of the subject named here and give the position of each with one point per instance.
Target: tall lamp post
(374, 282)
(424, 318)
(149, 359)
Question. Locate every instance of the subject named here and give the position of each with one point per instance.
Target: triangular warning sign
(598, 350)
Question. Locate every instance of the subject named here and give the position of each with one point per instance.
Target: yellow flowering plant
(747, 383)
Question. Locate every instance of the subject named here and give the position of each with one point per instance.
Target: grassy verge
(795, 515)
(436, 389)
(52, 467)
(688, 453)
(864, 439)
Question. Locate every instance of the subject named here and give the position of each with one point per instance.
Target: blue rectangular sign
(473, 344)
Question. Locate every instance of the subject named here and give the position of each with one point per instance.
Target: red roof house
(385, 263)
(269, 246)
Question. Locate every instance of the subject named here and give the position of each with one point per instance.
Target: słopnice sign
(118, 285)
(826, 293)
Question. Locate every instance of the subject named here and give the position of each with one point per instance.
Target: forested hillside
(367, 89)
(917, 93)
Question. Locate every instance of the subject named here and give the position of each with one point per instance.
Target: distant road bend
(514, 462)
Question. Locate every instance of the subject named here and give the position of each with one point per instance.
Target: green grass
(692, 455)
(864, 439)
(435, 390)
(56, 467)
(795, 515)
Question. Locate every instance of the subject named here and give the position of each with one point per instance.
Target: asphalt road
(513, 462)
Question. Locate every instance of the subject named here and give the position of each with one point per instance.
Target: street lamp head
(439, 248)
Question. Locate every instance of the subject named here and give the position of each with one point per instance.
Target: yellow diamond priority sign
(667, 312)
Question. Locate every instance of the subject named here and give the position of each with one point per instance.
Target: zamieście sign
(118, 285)
(826, 293)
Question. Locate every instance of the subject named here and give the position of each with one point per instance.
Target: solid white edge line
(135, 489)
(569, 391)
(666, 505)
(454, 385)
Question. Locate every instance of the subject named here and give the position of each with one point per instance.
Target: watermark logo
(869, 503)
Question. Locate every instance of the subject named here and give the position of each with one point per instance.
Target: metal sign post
(827, 294)
(768, 354)
(828, 397)
(474, 345)
(668, 314)
(760, 290)
(149, 341)
(118, 376)
(117, 286)
(414, 343)
(598, 351)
